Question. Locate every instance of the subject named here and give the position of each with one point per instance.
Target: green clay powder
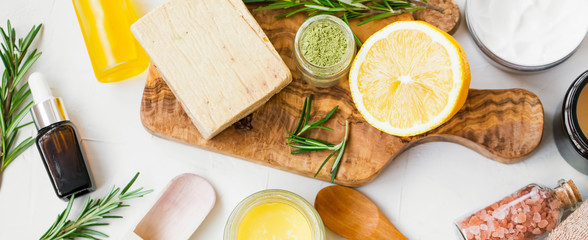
(323, 44)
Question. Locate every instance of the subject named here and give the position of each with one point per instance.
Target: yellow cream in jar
(277, 221)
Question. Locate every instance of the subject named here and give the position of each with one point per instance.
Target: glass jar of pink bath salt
(529, 213)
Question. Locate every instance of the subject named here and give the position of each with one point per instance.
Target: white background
(422, 191)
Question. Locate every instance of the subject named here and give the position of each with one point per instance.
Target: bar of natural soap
(214, 57)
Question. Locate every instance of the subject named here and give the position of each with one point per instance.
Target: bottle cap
(47, 109)
(568, 193)
(39, 87)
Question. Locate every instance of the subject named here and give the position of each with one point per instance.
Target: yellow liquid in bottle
(113, 50)
(271, 221)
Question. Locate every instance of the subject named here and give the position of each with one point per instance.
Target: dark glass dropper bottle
(58, 142)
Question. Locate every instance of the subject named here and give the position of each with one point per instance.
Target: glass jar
(112, 48)
(324, 76)
(571, 142)
(484, 32)
(529, 213)
(272, 196)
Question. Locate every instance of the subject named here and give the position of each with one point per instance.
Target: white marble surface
(422, 192)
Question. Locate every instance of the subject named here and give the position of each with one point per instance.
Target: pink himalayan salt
(520, 218)
(550, 226)
(536, 217)
(474, 230)
(499, 214)
(484, 235)
(534, 195)
(475, 221)
(485, 216)
(510, 219)
(554, 214)
(536, 208)
(543, 223)
(526, 209)
(483, 227)
(537, 231)
(499, 233)
(555, 204)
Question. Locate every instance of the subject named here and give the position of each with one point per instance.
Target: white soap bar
(214, 57)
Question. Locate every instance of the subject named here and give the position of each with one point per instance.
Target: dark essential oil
(63, 156)
(59, 143)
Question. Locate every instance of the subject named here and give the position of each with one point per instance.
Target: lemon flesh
(409, 78)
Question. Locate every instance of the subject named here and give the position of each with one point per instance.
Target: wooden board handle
(487, 119)
(504, 125)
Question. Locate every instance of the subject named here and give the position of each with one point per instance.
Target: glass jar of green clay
(323, 49)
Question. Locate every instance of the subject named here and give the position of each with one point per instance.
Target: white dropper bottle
(58, 142)
(47, 109)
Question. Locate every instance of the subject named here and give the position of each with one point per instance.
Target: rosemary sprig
(305, 144)
(14, 101)
(92, 211)
(368, 10)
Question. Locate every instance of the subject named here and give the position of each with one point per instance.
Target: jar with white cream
(527, 35)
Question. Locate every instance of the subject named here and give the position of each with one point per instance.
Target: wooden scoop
(182, 207)
(352, 215)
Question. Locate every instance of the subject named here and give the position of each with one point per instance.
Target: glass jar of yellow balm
(323, 50)
(274, 214)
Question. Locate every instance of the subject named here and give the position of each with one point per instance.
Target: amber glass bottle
(63, 157)
(58, 143)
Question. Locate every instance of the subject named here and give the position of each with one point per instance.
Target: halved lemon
(409, 78)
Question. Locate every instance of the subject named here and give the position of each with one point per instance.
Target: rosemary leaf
(376, 17)
(323, 164)
(304, 144)
(14, 91)
(344, 17)
(342, 145)
(92, 211)
(369, 10)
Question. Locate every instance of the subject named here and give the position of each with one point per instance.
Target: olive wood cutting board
(503, 125)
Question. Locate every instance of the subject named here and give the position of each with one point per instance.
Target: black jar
(571, 142)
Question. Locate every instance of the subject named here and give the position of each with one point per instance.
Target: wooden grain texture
(504, 125)
(199, 53)
(448, 20)
(352, 215)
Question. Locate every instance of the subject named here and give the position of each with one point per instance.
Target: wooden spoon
(182, 207)
(352, 215)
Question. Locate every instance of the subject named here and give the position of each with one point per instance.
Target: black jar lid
(570, 118)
